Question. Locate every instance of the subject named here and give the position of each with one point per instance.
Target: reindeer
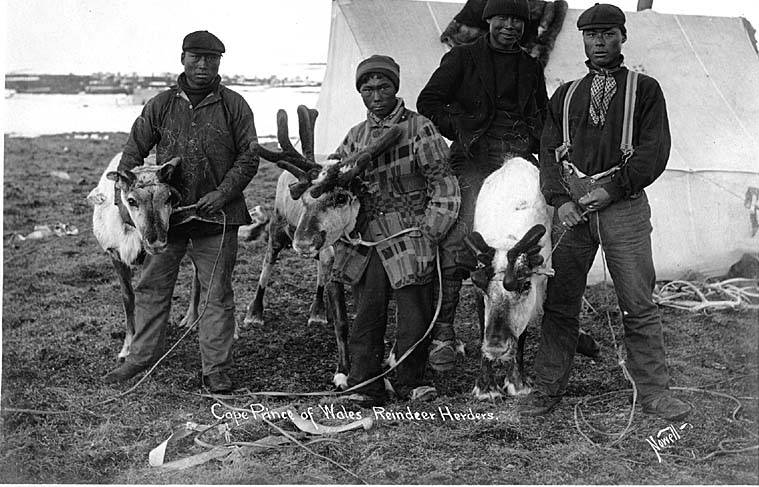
(514, 250)
(513, 247)
(137, 224)
(315, 205)
(298, 171)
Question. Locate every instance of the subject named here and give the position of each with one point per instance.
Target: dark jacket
(459, 98)
(213, 140)
(596, 149)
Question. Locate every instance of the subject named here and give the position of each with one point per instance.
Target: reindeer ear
(165, 172)
(528, 244)
(481, 277)
(124, 179)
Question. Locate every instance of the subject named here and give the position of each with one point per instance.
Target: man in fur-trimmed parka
(410, 186)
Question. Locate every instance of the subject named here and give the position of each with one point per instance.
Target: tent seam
(434, 19)
(708, 75)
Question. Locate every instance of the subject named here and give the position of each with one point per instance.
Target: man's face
(603, 45)
(505, 31)
(200, 69)
(378, 93)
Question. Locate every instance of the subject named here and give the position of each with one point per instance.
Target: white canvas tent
(708, 70)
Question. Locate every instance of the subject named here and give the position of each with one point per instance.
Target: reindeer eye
(341, 199)
(132, 202)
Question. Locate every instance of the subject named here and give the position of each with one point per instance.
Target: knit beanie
(379, 64)
(516, 8)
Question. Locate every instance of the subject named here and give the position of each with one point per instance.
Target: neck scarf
(390, 118)
(196, 95)
(602, 89)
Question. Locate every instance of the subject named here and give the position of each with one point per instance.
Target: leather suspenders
(625, 145)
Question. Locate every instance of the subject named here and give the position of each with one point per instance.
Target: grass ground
(61, 330)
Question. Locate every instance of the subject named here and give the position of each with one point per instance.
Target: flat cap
(379, 64)
(601, 15)
(202, 42)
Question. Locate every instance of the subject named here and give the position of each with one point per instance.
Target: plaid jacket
(409, 186)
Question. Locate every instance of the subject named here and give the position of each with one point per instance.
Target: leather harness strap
(625, 146)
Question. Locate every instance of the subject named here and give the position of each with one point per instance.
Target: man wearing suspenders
(606, 138)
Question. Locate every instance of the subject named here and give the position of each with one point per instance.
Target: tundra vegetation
(63, 324)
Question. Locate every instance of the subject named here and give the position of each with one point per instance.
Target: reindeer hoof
(317, 321)
(188, 321)
(516, 390)
(486, 395)
(254, 320)
(341, 381)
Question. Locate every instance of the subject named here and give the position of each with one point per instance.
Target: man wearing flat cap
(410, 186)
(489, 98)
(617, 142)
(210, 127)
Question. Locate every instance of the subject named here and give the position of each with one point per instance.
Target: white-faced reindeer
(510, 236)
(510, 221)
(315, 205)
(137, 224)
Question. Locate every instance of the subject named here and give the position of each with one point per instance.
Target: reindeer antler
(306, 122)
(301, 166)
(357, 162)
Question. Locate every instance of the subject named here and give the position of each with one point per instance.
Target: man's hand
(211, 203)
(596, 200)
(570, 214)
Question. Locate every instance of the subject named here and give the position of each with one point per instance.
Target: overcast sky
(262, 37)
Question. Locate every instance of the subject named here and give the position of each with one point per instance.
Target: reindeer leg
(317, 314)
(124, 272)
(486, 386)
(514, 383)
(479, 302)
(278, 240)
(336, 311)
(191, 316)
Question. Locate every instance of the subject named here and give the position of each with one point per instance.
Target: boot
(442, 354)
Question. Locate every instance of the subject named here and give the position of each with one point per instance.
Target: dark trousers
(414, 309)
(625, 231)
(156, 286)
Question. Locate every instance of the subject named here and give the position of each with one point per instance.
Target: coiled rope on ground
(736, 293)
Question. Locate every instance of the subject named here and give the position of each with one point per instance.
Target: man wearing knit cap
(489, 98)
(410, 186)
(596, 184)
(210, 127)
